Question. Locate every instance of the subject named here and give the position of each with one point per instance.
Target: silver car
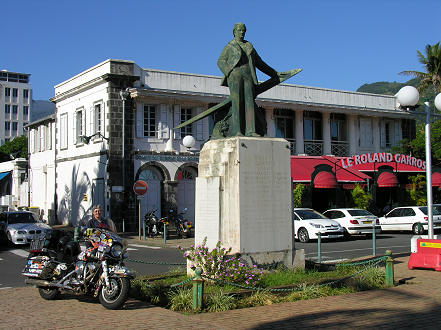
(21, 227)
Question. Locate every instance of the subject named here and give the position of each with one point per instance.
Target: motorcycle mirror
(171, 211)
(185, 209)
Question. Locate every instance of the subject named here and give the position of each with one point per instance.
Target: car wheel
(417, 229)
(303, 235)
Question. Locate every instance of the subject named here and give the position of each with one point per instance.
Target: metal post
(374, 247)
(319, 247)
(76, 234)
(429, 172)
(143, 229)
(124, 227)
(139, 217)
(165, 233)
(389, 269)
(198, 290)
(124, 94)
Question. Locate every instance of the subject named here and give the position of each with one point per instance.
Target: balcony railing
(314, 147)
(292, 145)
(340, 148)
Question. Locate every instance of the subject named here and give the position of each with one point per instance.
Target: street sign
(140, 187)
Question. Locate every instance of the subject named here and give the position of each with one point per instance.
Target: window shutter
(199, 126)
(140, 120)
(164, 121)
(382, 134)
(74, 128)
(177, 120)
(397, 135)
(92, 120)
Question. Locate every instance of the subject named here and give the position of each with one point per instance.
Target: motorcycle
(153, 225)
(56, 264)
(182, 225)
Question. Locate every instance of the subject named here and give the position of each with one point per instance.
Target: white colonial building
(104, 141)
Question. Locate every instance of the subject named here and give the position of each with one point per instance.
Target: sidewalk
(414, 303)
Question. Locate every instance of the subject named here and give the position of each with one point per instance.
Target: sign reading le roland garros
(382, 157)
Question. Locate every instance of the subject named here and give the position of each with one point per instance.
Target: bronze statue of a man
(238, 62)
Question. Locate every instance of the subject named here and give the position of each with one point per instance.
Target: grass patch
(276, 286)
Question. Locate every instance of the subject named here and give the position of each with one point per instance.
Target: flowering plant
(219, 264)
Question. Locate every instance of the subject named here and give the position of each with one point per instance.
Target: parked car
(408, 217)
(308, 223)
(20, 227)
(355, 221)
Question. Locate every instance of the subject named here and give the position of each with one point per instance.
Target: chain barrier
(358, 263)
(158, 262)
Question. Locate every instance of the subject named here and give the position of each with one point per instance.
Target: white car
(355, 221)
(308, 223)
(20, 227)
(408, 217)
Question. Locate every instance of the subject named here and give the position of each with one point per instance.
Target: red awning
(436, 179)
(325, 179)
(387, 179)
(303, 166)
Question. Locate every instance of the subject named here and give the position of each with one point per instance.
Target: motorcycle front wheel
(48, 293)
(115, 296)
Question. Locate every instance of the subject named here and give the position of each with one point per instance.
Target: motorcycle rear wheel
(115, 296)
(48, 293)
(179, 231)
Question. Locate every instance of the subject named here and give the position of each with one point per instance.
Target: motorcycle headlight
(116, 250)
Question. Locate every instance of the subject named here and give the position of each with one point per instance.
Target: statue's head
(239, 30)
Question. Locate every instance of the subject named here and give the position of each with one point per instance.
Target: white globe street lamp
(408, 96)
(188, 141)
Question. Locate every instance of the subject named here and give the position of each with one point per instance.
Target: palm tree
(432, 63)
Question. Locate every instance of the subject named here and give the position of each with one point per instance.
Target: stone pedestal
(243, 198)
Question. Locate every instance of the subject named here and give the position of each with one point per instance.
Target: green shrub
(218, 264)
(361, 198)
(219, 301)
(181, 300)
(298, 193)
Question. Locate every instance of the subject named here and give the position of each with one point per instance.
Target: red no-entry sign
(140, 187)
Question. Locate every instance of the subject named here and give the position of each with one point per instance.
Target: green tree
(298, 193)
(432, 64)
(418, 191)
(16, 148)
(361, 198)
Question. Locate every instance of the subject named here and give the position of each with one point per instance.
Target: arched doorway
(186, 176)
(152, 199)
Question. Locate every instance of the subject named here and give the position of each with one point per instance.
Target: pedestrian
(238, 63)
(97, 221)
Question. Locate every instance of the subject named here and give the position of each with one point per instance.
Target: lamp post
(408, 96)
(188, 141)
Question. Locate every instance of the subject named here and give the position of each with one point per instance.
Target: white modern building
(15, 104)
(104, 140)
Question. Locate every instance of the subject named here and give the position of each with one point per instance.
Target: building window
(14, 92)
(7, 109)
(338, 127)
(25, 93)
(97, 116)
(408, 129)
(284, 120)
(42, 131)
(14, 126)
(7, 126)
(149, 120)
(63, 131)
(388, 134)
(15, 109)
(186, 114)
(25, 110)
(79, 125)
(7, 92)
(312, 125)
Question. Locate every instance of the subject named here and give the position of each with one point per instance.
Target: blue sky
(340, 44)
